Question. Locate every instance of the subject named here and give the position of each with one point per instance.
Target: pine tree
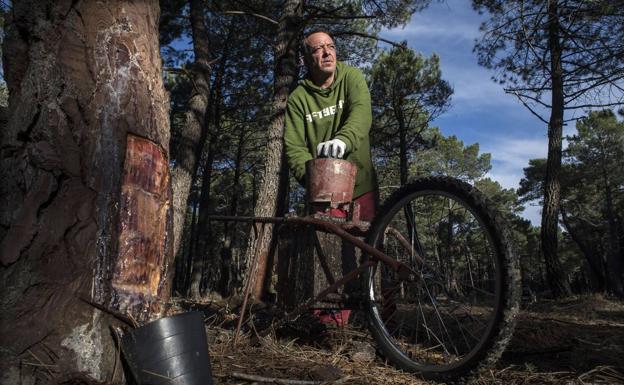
(554, 56)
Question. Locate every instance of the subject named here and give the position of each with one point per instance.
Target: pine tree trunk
(85, 206)
(552, 188)
(187, 149)
(227, 262)
(275, 178)
(201, 248)
(588, 248)
(614, 254)
(206, 267)
(403, 171)
(199, 262)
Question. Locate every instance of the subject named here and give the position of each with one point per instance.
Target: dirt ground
(576, 341)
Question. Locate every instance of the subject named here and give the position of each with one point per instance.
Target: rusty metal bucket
(330, 180)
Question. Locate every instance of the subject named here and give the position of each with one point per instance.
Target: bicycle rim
(445, 322)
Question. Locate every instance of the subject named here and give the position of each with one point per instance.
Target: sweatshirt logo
(327, 111)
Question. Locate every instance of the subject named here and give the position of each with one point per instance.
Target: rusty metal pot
(330, 180)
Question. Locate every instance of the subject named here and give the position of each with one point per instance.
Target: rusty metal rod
(330, 227)
(405, 243)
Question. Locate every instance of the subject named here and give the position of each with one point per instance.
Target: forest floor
(575, 341)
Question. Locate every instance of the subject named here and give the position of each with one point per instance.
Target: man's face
(321, 56)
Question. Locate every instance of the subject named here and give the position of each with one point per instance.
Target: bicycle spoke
(439, 317)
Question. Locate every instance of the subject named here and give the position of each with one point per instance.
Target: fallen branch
(580, 322)
(284, 381)
(608, 374)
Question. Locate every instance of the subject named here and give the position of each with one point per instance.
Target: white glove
(334, 148)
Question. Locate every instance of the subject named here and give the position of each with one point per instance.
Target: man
(329, 115)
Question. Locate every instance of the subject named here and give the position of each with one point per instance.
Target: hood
(308, 84)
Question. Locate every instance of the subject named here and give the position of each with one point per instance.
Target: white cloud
(473, 88)
(419, 29)
(506, 178)
(441, 22)
(514, 152)
(533, 212)
(450, 31)
(510, 156)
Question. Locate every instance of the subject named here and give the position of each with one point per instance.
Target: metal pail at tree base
(170, 350)
(330, 180)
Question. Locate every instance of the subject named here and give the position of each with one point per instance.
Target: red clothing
(368, 206)
(338, 317)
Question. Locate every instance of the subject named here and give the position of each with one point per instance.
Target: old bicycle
(440, 282)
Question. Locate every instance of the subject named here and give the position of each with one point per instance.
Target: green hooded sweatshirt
(342, 111)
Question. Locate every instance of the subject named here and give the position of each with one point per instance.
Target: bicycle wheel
(458, 312)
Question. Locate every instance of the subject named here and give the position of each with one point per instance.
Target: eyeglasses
(328, 47)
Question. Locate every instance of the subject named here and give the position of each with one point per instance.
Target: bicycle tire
(416, 325)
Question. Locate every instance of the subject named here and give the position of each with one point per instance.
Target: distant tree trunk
(275, 177)
(209, 270)
(184, 257)
(588, 248)
(85, 202)
(552, 187)
(202, 262)
(227, 265)
(403, 172)
(614, 254)
(203, 235)
(187, 148)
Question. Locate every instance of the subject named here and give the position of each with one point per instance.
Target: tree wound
(144, 204)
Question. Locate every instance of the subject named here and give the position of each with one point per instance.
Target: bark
(614, 254)
(199, 116)
(205, 267)
(227, 262)
(85, 90)
(552, 188)
(187, 149)
(402, 146)
(275, 177)
(404, 174)
(588, 248)
(203, 236)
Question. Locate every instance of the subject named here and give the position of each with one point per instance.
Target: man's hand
(334, 148)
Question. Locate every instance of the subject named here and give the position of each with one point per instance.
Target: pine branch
(521, 96)
(266, 18)
(598, 105)
(594, 84)
(322, 12)
(338, 17)
(393, 43)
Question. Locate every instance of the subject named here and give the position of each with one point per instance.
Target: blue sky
(480, 111)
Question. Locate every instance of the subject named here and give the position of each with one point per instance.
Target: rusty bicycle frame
(342, 230)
